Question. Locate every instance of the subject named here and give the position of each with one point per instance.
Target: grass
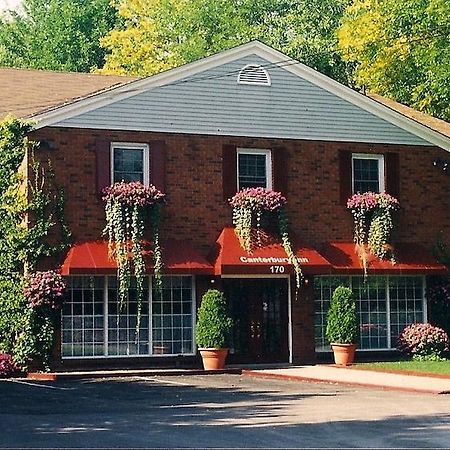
(432, 367)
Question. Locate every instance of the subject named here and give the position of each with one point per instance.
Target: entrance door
(259, 309)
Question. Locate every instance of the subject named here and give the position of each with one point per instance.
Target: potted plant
(342, 326)
(213, 329)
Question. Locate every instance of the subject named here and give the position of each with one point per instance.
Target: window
(129, 162)
(385, 306)
(367, 173)
(254, 168)
(93, 327)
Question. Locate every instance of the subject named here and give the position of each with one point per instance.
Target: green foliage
(213, 323)
(342, 320)
(56, 34)
(156, 35)
(402, 50)
(26, 218)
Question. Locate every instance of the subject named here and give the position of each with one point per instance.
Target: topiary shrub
(7, 366)
(213, 322)
(424, 341)
(342, 319)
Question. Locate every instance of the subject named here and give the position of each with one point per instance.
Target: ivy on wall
(29, 210)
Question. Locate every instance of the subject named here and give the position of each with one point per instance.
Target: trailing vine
(251, 206)
(373, 224)
(127, 205)
(30, 208)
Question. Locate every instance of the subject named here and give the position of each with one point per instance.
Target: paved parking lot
(217, 411)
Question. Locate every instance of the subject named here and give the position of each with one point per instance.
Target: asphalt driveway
(217, 411)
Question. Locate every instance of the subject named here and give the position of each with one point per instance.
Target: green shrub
(342, 320)
(213, 323)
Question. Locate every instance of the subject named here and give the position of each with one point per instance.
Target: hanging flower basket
(254, 210)
(372, 215)
(128, 205)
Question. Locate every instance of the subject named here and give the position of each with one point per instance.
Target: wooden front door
(259, 309)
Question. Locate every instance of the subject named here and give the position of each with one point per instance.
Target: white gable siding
(212, 102)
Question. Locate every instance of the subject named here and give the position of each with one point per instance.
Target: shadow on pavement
(163, 413)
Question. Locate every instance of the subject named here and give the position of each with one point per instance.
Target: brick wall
(197, 212)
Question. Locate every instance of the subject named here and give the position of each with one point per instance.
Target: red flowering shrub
(424, 341)
(45, 288)
(133, 193)
(7, 366)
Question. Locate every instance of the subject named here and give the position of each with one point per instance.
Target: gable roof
(395, 125)
(26, 93)
(435, 124)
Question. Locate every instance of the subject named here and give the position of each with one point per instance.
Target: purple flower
(45, 288)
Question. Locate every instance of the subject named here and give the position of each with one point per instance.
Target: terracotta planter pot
(344, 354)
(213, 358)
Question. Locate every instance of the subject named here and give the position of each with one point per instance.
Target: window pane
(172, 317)
(82, 318)
(366, 175)
(128, 164)
(252, 170)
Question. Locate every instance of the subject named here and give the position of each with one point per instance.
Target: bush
(424, 341)
(342, 320)
(7, 366)
(213, 323)
(45, 288)
(438, 294)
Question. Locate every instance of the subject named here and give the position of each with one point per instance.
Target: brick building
(249, 116)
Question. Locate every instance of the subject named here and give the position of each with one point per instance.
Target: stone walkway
(348, 376)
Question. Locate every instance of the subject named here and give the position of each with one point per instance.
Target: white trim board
(257, 48)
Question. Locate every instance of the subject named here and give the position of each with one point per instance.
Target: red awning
(270, 258)
(92, 258)
(410, 259)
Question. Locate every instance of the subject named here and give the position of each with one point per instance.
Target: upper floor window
(254, 168)
(129, 162)
(367, 173)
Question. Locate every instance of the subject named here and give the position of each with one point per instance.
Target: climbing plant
(31, 208)
(254, 209)
(127, 208)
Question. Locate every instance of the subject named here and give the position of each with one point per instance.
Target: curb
(59, 376)
(253, 373)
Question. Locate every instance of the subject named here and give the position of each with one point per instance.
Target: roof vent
(254, 74)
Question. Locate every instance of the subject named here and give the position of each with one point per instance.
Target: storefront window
(87, 333)
(385, 306)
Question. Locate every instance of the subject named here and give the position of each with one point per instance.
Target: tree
(402, 50)
(56, 34)
(155, 35)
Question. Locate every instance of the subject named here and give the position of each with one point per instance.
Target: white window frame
(256, 151)
(149, 301)
(379, 158)
(132, 146)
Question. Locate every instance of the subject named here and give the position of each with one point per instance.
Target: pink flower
(258, 199)
(45, 288)
(134, 193)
